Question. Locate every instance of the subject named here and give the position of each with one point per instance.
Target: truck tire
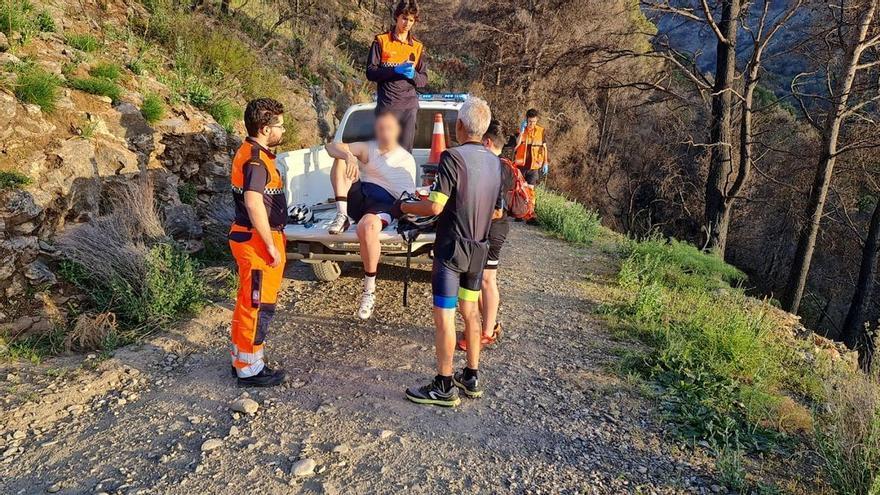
(327, 271)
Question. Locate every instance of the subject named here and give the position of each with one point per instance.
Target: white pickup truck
(306, 174)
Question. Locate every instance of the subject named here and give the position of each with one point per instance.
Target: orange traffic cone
(438, 146)
(438, 139)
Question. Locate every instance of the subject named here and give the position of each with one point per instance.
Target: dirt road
(156, 418)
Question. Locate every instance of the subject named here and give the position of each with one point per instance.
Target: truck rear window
(359, 127)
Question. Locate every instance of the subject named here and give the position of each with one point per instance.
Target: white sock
(342, 207)
(370, 283)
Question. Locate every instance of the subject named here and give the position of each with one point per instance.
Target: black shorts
(365, 198)
(497, 235)
(531, 176)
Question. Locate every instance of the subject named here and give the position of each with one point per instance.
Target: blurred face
(405, 23)
(532, 122)
(274, 133)
(387, 131)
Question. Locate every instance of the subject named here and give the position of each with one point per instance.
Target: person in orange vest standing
(531, 149)
(256, 239)
(398, 67)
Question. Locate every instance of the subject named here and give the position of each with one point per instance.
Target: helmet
(299, 214)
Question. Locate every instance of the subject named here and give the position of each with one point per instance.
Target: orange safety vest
(396, 52)
(250, 153)
(531, 152)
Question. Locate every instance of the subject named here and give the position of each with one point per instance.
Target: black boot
(267, 377)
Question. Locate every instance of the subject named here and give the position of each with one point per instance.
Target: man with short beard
(256, 239)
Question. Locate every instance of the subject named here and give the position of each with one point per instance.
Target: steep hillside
(93, 94)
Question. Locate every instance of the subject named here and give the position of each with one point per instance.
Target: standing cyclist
(256, 239)
(466, 196)
(490, 298)
(397, 65)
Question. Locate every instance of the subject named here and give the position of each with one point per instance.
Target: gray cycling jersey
(469, 185)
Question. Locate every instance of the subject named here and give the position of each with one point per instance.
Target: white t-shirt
(394, 171)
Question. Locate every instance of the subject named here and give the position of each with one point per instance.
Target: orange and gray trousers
(258, 285)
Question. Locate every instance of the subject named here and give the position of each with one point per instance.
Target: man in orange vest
(397, 65)
(531, 149)
(256, 239)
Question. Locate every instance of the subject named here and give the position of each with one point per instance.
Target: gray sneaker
(340, 224)
(434, 394)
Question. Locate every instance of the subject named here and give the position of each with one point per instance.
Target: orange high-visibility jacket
(253, 169)
(395, 52)
(531, 152)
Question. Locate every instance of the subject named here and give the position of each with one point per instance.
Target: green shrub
(187, 193)
(97, 86)
(213, 55)
(199, 95)
(568, 219)
(722, 369)
(136, 66)
(45, 23)
(172, 287)
(153, 109)
(106, 70)
(10, 179)
(16, 16)
(33, 348)
(226, 114)
(134, 271)
(729, 465)
(83, 42)
(173, 283)
(37, 86)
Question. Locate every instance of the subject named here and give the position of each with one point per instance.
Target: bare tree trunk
(854, 334)
(721, 134)
(797, 279)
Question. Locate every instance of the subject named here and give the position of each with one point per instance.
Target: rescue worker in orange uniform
(397, 65)
(257, 241)
(531, 149)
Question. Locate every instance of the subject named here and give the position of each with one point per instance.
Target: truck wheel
(327, 271)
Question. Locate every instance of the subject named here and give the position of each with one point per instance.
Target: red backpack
(521, 197)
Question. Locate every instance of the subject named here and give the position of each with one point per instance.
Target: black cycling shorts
(497, 235)
(368, 198)
(458, 272)
(531, 176)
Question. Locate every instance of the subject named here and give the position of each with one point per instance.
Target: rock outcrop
(76, 155)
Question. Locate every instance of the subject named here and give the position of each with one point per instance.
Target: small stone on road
(303, 467)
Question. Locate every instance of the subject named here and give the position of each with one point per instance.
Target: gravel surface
(165, 416)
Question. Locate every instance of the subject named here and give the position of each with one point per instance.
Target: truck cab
(306, 174)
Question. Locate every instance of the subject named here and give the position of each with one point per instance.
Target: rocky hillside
(93, 94)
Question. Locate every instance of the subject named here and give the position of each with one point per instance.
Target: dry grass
(848, 434)
(113, 247)
(90, 332)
